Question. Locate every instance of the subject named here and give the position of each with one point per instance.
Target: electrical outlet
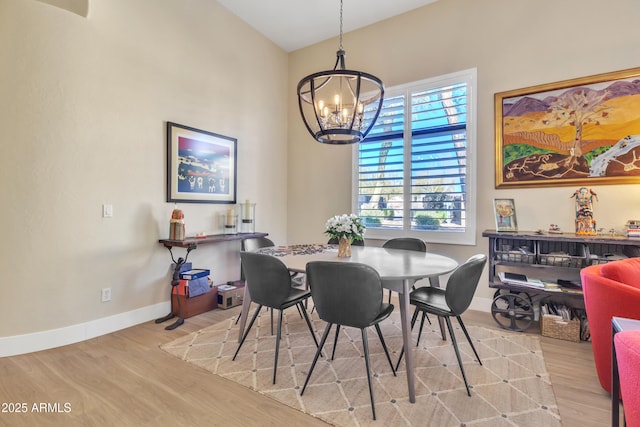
(106, 294)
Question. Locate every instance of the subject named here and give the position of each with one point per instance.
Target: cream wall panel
(513, 45)
(83, 112)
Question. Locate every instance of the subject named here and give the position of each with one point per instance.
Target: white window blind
(414, 171)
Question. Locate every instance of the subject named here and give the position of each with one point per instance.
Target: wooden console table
(191, 243)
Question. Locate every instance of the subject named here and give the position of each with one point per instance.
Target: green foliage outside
(371, 221)
(427, 222)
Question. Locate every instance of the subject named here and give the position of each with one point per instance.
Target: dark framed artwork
(201, 166)
(583, 131)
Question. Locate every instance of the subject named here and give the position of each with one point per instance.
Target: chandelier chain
(341, 25)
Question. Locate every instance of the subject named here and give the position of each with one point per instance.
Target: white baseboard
(481, 304)
(37, 341)
(44, 340)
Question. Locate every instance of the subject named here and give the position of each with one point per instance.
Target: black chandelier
(340, 106)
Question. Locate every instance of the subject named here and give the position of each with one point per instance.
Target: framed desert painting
(584, 131)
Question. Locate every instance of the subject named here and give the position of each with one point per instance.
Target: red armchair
(611, 289)
(628, 357)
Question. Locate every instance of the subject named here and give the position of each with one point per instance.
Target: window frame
(468, 236)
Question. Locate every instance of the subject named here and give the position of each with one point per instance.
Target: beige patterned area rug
(512, 387)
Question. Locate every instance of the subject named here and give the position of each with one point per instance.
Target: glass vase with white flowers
(345, 228)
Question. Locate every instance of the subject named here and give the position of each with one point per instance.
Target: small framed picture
(505, 213)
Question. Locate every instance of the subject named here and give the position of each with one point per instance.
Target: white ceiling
(294, 24)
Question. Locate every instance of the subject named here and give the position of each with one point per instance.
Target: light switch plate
(107, 211)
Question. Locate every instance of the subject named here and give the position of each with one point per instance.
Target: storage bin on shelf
(602, 253)
(514, 250)
(562, 254)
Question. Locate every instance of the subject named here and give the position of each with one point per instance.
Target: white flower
(346, 225)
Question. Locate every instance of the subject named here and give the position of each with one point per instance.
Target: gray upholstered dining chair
(251, 245)
(348, 294)
(409, 244)
(451, 302)
(269, 285)
(254, 243)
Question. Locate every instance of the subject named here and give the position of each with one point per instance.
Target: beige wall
(513, 44)
(83, 106)
(84, 101)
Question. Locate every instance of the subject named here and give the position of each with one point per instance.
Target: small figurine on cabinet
(555, 229)
(176, 225)
(585, 222)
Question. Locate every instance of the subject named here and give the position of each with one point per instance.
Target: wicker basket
(555, 327)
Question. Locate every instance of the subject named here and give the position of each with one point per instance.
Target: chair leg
(455, 347)
(271, 320)
(306, 317)
(299, 312)
(413, 322)
(464, 329)
(315, 358)
(384, 347)
(278, 335)
(424, 315)
(246, 332)
(365, 346)
(335, 341)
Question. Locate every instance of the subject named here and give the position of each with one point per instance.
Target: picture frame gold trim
(583, 131)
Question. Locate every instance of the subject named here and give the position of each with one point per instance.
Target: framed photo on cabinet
(201, 166)
(505, 214)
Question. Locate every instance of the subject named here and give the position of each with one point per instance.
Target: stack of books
(194, 282)
(633, 228)
(519, 279)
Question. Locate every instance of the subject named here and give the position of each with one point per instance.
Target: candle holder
(229, 221)
(248, 218)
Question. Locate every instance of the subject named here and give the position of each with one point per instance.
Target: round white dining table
(399, 269)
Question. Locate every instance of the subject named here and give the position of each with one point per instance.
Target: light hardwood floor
(124, 379)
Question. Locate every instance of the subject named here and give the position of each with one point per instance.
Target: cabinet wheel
(524, 295)
(513, 311)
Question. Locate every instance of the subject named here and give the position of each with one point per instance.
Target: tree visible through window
(414, 172)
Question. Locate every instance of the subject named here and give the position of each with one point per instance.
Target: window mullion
(407, 141)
